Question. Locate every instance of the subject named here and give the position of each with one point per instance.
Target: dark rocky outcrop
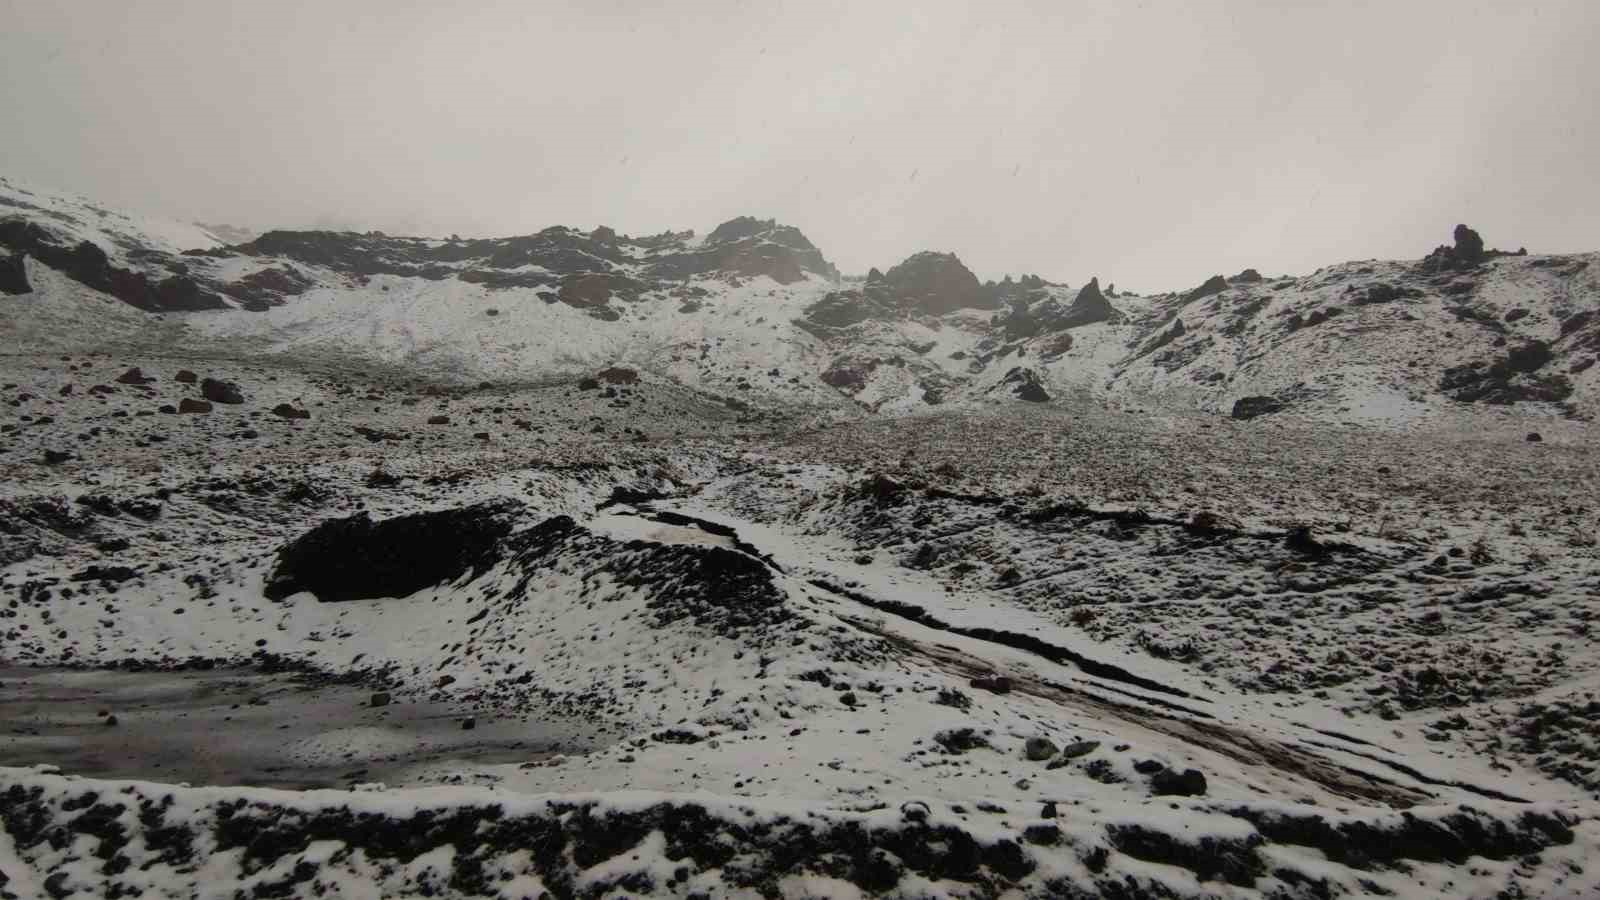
(749, 247)
(934, 284)
(1513, 378)
(1246, 408)
(13, 274)
(1248, 276)
(842, 309)
(88, 264)
(1025, 384)
(1046, 316)
(355, 558)
(1466, 252)
(266, 288)
(1216, 284)
(596, 290)
(218, 391)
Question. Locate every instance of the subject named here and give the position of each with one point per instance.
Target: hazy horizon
(1151, 146)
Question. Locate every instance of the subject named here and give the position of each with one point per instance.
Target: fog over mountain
(1153, 144)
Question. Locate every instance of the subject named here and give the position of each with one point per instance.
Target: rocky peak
(935, 283)
(1465, 252)
(1216, 284)
(749, 247)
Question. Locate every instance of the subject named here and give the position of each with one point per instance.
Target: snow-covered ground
(653, 607)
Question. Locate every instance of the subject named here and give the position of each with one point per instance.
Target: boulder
(191, 405)
(438, 420)
(289, 411)
(218, 391)
(1188, 783)
(185, 376)
(617, 375)
(1039, 749)
(134, 376)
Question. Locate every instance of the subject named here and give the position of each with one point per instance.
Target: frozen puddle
(240, 727)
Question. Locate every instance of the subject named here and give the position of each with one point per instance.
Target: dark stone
(1469, 246)
(55, 457)
(289, 411)
(185, 376)
(381, 698)
(438, 420)
(1038, 749)
(1248, 276)
(191, 405)
(618, 375)
(221, 391)
(134, 376)
(1188, 783)
(1534, 437)
(355, 558)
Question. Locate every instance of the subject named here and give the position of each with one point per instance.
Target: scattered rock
(221, 391)
(439, 420)
(618, 375)
(381, 698)
(185, 376)
(133, 376)
(1188, 783)
(1080, 748)
(55, 457)
(469, 723)
(288, 411)
(1534, 437)
(1039, 749)
(996, 684)
(191, 405)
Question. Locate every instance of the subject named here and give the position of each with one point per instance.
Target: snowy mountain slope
(753, 310)
(602, 566)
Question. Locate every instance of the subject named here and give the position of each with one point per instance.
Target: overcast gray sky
(1152, 144)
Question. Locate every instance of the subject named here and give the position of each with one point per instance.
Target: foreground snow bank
(66, 836)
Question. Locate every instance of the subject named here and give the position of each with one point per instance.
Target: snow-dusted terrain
(582, 564)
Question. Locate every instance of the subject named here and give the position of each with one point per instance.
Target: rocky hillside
(754, 311)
